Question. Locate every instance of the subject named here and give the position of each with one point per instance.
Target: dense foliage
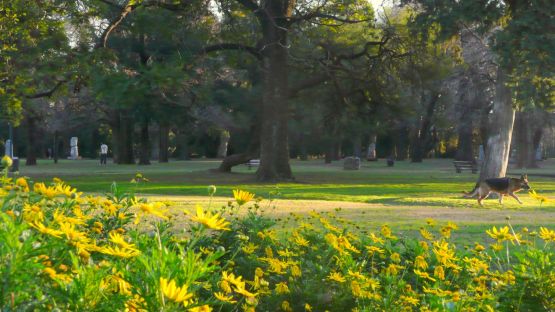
(62, 250)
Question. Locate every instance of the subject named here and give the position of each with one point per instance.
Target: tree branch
(232, 46)
(317, 14)
(113, 24)
(46, 93)
(249, 4)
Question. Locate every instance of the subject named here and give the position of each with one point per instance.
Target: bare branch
(232, 46)
(249, 4)
(46, 93)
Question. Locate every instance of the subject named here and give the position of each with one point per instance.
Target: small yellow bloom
(395, 257)
(307, 307)
(540, 198)
(439, 272)
(209, 220)
(335, 276)
(424, 275)
(6, 161)
(174, 293)
(242, 197)
(285, 306)
(222, 297)
(547, 235)
(500, 235)
(202, 308)
(420, 263)
(281, 288)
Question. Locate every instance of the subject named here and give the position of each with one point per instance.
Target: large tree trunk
(55, 147)
(163, 143)
(31, 159)
(224, 142)
(123, 138)
(274, 147)
(500, 129)
(144, 157)
(464, 129)
(357, 146)
(402, 143)
(421, 135)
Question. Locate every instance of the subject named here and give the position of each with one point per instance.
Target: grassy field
(403, 196)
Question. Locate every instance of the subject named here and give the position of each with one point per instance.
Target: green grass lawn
(403, 196)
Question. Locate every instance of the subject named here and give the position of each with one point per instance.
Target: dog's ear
(523, 177)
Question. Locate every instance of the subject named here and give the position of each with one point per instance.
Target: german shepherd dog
(501, 186)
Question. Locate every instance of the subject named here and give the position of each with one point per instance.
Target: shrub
(60, 249)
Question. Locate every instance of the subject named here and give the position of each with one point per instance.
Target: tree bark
(500, 129)
(357, 146)
(163, 143)
(464, 144)
(144, 157)
(55, 147)
(31, 159)
(402, 143)
(420, 137)
(123, 138)
(274, 147)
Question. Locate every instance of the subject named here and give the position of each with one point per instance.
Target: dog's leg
(513, 195)
(500, 199)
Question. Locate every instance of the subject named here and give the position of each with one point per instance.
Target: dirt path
(381, 213)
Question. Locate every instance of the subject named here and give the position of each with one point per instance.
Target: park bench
(253, 163)
(465, 165)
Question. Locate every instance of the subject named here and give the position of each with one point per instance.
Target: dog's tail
(472, 193)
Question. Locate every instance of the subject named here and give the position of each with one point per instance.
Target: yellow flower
(154, 209)
(39, 226)
(250, 248)
(56, 276)
(285, 306)
(387, 233)
(395, 257)
(119, 252)
(393, 269)
(281, 288)
(295, 271)
(409, 300)
(301, 241)
(22, 183)
(547, 235)
(307, 307)
(118, 239)
(439, 272)
(214, 222)
(501, 235)
(6, 161)
(335, 276)
(174, 293)
(41, 189)
(540, 198)
(420, 263)
(116, 283)
(424, 275)
(222, 297)
(242, 197)
(32, 213)
(202, 308)
(426, 234)
(373, 249)
(137, 304)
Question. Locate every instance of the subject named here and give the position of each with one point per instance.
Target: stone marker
(539, 153)
(481, 153)
(74, 153)
(351, 163)
(9, 148)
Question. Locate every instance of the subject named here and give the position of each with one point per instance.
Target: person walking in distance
(103, 153)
